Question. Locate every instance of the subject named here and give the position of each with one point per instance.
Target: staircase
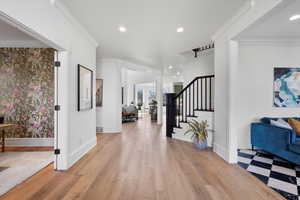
(195, 101)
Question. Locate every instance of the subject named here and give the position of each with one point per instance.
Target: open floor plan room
(140, 100)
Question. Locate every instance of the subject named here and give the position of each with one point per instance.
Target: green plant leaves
(197, 130)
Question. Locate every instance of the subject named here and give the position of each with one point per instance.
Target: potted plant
(198, 132)
(153, 110)
(140, 106)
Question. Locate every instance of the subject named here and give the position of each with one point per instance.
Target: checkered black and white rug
(280, 175)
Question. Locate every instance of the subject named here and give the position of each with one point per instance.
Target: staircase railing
(198, 95)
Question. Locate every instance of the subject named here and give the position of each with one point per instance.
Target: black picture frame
(80, 107)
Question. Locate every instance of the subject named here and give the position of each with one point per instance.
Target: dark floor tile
(261, 164)
(286, 195)
(264, 179)
(243, 165)
(240, 154)
(284, 164)
(265, 155)
(283, 177)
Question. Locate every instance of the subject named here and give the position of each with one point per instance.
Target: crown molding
(65, 11)
(242, 11)
(25, 29)
(22, 44)
(271, 42)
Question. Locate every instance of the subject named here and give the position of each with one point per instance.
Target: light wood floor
(141, 164)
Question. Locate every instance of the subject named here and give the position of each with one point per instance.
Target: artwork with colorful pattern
(286, 87)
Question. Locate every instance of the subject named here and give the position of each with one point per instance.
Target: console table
(3, 127)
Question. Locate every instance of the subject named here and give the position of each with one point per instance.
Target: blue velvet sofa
(281, 142)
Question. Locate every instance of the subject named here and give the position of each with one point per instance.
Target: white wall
(226, 55)
(255, 85)
(201, 66)
(109, 115)
(54, 27)
(133, 78)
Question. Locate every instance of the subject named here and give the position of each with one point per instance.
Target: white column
(159, 98)
(109, 115)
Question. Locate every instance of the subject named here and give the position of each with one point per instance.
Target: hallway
(141, 163)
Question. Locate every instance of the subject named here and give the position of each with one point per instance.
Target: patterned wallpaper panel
(27, 91)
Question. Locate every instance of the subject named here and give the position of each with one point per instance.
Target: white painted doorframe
(60, 120)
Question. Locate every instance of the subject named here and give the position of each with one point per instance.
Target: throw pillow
(295, 124)
(280, 124)
(285, 123)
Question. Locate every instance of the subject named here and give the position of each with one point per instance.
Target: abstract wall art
(286, 87)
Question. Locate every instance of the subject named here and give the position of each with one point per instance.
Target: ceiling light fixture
(180, 30)
(122, 29)
(294, 17)
(178, 73)
(170, 67)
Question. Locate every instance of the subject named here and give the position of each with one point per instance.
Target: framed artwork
(99, 92)
(286, 87)
(85, 88)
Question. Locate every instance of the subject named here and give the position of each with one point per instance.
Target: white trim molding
(221, 151)
(270, 42)
(29, 142)
(81, 151)
(65, 11)
(23, 44)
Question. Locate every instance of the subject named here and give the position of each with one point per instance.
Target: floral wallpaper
(27, 91)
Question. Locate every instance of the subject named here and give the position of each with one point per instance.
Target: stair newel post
(177, 112)
(171, 113)
(182, 115)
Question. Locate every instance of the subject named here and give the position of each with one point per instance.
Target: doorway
(30, 74)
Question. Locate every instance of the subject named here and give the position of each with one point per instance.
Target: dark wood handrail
(194, 80)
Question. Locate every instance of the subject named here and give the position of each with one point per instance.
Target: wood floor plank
(142, 164)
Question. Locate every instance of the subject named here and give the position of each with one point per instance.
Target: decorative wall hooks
(203, 48)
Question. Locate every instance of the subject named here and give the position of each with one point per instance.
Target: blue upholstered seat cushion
(297, 139)
(295, 147)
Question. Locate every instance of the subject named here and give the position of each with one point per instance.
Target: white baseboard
(221, 151)
(81, 151)
(29, 142)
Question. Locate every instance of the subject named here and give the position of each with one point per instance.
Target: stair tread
(203, 110)
(192, 116)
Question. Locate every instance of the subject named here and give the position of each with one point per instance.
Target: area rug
(278, 174)
(15, 167)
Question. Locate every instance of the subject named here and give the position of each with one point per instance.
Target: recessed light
(170, 67)
(294, 17)
(180, 30)
(178, 73)
(122, 29)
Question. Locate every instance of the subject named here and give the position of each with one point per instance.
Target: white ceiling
(276, 25)
(151, 38)
(13, 37)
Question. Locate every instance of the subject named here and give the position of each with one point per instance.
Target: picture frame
(99, 92)
(286, 90)
(85, 88)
